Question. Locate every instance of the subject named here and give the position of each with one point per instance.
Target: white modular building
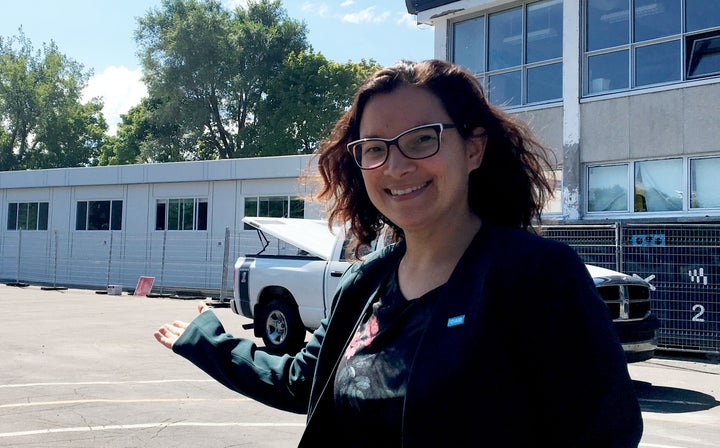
(179, 223)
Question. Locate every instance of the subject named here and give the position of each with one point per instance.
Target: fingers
(202, 307)
(168, 334)
(161, 335)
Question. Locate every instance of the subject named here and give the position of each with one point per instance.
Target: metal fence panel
(596, 244)
(680, 260)
(683, 262)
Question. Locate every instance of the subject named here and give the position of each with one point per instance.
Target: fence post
(162, 264)
(619, 247)
(226, 258)
(109, 264)
(55, 255)
(19, 256)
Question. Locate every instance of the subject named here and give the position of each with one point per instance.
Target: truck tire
(281, 328)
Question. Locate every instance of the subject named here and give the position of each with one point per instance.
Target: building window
(703, 57)
(705, 183)
(659, 185)
(27, 216)
(99, 215)
(181, 214)
(662, 185)
(632, 44)
(516, 53)
(608, 188)
(274, 207)
(554, 204)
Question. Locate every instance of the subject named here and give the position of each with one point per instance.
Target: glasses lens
(370, 153)
(420, 143)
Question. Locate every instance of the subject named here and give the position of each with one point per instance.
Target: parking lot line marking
(688, 417)
(147, 426)
(96, 383)
(655, 445)
(108, 400)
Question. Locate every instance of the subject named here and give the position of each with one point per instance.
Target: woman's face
(419, 194)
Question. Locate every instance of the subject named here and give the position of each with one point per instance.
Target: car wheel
(282, 329)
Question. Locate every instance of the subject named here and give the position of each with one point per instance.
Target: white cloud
(120, 90)
(347, 3)
(319, 9)
(367, 15)
(407, 19)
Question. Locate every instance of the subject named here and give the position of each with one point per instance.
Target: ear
(475, 147)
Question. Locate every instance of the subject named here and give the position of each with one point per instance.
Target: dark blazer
(520, 352)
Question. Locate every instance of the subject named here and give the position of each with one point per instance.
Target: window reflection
(656, 18)
(544, 31)
(469, 44)
(659, 185)
(504, 88)
(657, 63)
(705, 183)
(608, 23)
(505, 39)
(704, 57)
(701, 14)
(651, 35)
(515, 53)
(607, 188)
(608, 71)
(544, 83)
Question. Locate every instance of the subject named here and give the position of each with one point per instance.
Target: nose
(397, 164)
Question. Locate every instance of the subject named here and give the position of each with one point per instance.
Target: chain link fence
(189, 263)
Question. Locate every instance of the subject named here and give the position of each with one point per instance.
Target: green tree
(208, 68)
(304, 101)
(139, 140)
(43, 123)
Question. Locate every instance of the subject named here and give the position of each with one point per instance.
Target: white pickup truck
(287, 295)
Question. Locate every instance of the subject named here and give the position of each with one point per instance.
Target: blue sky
(99, 35)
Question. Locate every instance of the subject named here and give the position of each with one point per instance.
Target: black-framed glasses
(416, 143)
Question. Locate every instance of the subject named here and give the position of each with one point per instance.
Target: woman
(470, 329)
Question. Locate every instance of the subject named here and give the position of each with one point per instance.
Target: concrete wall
(668, 123)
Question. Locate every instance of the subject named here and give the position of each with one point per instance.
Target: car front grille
(626, 302)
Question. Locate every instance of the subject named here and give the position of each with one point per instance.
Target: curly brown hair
(509, 188)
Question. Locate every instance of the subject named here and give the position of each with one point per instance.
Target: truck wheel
(282, 329)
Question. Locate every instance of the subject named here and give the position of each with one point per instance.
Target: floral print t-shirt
(371, 378)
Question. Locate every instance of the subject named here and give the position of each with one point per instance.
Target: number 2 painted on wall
(699, 310)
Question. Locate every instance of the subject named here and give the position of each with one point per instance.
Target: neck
(449, 240)
(431, 256)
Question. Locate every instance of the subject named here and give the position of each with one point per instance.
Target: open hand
(169, 333)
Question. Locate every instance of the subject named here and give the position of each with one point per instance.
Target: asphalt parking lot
(81, 369)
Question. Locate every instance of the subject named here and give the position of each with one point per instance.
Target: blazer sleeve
(280, 381)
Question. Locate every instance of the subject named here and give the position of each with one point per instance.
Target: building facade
(626, 93)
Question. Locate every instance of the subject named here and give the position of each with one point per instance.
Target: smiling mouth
(407, 190)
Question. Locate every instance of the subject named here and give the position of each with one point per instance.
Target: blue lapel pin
(455, 321)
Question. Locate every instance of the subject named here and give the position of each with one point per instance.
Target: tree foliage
(209, 67)
(303, 102)
(231, 83)
(43, 123)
